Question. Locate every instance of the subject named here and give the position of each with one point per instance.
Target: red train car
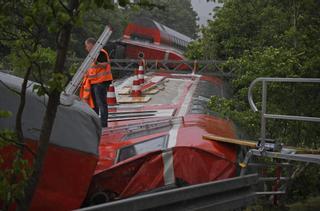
(157, 144)
(148, 39)
(72, 153)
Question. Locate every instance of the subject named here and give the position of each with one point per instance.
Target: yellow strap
(242, 165)
(248, 143)
(253, 144)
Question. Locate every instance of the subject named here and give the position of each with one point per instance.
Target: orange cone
(136, 91)
(141, 73)
(111, 95)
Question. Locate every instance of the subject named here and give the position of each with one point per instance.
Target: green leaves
(5, 114)
(57, 82)
(13, 180)
(268, 39)
(123, 3)
(39, 89)
(195, 50)
(14, 174)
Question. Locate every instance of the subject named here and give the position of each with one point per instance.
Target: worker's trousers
(99, 94)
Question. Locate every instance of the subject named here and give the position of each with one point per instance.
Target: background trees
(269, 39)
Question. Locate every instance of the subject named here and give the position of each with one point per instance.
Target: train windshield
(138, 37)
(158, 143)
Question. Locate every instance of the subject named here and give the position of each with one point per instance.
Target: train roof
(149, 23)
(69, 112)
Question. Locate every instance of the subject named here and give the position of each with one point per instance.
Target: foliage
(306, 184)
(268, 39)
(13, 178)
(13, 181)
(194, 50)
(37, 35)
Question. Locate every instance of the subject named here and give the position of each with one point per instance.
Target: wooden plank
(253, 144)
(124, 91)
(152, 91)
(127, 99)
(152, 83)
(248, 143)
(157, 79)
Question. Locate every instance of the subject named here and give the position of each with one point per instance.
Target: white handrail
(268, 79)
(263, 112)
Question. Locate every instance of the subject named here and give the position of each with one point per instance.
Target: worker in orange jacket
(96, 82)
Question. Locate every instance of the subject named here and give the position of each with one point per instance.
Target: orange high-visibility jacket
(94, 75)
(85, 92)
(98, 74)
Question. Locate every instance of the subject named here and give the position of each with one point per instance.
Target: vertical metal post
(245, 163)
(263, 112)
(194, 67)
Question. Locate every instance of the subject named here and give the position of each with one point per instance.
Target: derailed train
(151, 145)
(148, 39)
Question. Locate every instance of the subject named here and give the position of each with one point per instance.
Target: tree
(269, 39)
(37, 34)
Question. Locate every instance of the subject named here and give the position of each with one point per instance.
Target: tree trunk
(50, 114)
(22, 104)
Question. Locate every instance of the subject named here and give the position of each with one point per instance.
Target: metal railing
(196, 66)
(264, 114)
(227, 194)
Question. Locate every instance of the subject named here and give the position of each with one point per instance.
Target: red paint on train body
(149, 39)
(126, 167)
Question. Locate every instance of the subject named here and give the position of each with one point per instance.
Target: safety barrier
(224, 194)
(194, 66)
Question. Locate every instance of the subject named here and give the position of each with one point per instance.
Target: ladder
(74, 84)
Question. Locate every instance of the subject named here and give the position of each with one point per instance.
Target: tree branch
(9, 88)
(65, 7)
(22, 104)
(18, 144)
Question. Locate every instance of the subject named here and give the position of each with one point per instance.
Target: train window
(158, 143)
(142, 38)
